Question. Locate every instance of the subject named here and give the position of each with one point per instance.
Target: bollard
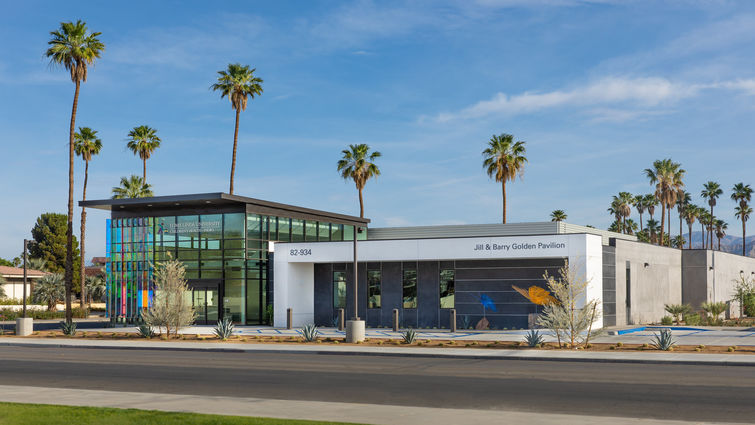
(395, 320)
(341, 319)
(289, 318)
(452, 325)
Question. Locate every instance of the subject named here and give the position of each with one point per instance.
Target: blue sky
(598, 89)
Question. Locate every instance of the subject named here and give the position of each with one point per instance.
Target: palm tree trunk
(681, 244)
(663, 221)
(235, 144)
(703, 235)
(710, 237)
(503, 192)
(83, 237)
(719, 242)
(69, 230)
(743, 237)
(144, 170)
(669, 226)
(641, 222)
(690, 234)
(361, 206)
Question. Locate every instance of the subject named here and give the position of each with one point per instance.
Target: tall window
(339, 289)
(373, 288)
(409, 284)
(447, 288)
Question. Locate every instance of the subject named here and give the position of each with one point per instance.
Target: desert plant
(465, 322)
(744, 288)
(713, 309)
(309, 333)
(146, 331)
(170, 309)
(50, 289)
(68, 328)
(663, 340)
(409, 336)
(533, 338)
(269, 315)
(667, 320)
(224, 329)
(692, 319)
(677, 310)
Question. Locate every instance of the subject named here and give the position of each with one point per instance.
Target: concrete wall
(655, 279)
(711, 275)
(16, 290)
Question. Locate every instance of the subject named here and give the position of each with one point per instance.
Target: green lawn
(45, 414)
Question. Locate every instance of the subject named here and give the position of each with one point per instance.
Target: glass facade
(409, 289)
(373, 288)
(226, 258)
(447, 288)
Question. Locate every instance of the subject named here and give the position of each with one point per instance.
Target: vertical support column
(341, 319)
(452, 320)
(289, 318)
(395, 320)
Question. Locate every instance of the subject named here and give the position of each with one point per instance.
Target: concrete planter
(24, 326)
(354, 331)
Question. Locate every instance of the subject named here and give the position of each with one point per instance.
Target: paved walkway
(462, 353)
(295, 409)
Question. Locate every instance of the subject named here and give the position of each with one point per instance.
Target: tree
(238, 83)
(743, 213)
(677, 310)
(143, 141)
(720, 227)
(623, 205)
(49, 289)
(642, 203)
(714, 309)
(683, 198)
(667, 176)
(744, 289)
(711, 191)
(132, 187)
(504, 160)
(630, 227)
(74, 48)
(678, 241)
(6, 263)
(703, 218)
(651, 202)
(87, 144)
(358, 164)
(170, 308)
(37, 264)
(572, 315)
(558, 215)
(49, 244)
(742, 193)
(690, 214)
(653, 228)
(2, 289)
(96, 288)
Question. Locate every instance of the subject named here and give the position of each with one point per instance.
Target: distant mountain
(732, 244)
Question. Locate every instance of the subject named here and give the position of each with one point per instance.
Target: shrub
(409, 336)
(309, 333)
(68, 328)
(667, 320)
(170, 308)
(714, 309)
(663, 340)
(146, 331)
(533, 338)
(677, 310)
(749, 305)
(224, 328)
(692, 319)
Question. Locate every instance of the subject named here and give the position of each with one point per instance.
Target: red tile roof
(16, 271)
(100, 260)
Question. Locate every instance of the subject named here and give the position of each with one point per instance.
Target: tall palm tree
(132, 187)
(743, 213)
(702, 218)
(667, 176)
(720, 229)
(504, 160)
(74, 48)
(650, 203)
(143, 141)
(558, 215)
(711, 191)
(641, 205)
(616, 210)
(690, 214)
(87, 145)
(652, 228)
(678, 241)
(358, 164)
(742, 193)
(683, 198)
(238, 83)
(630, 227)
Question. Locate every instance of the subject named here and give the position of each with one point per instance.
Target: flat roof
(215, 199)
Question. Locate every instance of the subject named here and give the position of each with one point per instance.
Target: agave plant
(409, 336)
(224, 328)
(146, 331)
(663, 340)
(310, 333)
(533, 338)
(465, 323)
(68, 328)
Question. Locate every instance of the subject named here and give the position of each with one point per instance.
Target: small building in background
(14, 281)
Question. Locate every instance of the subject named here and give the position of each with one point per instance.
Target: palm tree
(132, 187)
(238, 83)
(87, 145)
(558, 215)
(652, 228)
(74, 48)
(742, 193)
(143, 141)
(683, 198)
(690, 214)
(720, 228)
(650, 203)
(641, 205)
(711, 191)
(504, 160)
(96, 288)
(616, 210)
(743, 213)
(667, 176)
(625, 202)
(678, 241)
(358, 165)
(49, 289)
(630, 227)
(703, 217)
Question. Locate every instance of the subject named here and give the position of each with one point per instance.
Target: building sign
(190, 227)
(521, 246)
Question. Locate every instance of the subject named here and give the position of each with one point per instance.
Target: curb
(348, 352)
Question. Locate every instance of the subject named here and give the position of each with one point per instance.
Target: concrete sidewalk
(461, 353)
(297, 409)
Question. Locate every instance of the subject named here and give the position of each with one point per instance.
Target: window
(336, 232)
(409, 284)
(311, 231)
(284, 229)
(339, 289)
(233, 228)
(297, 230)
(323, 231)
(373, 288)
(447, 288)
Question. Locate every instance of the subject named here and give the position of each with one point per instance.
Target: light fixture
(710, 267)
(177, 204)
(149, 205)
(207, 202)
(647, 264)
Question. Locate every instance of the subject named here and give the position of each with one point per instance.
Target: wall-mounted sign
(189, 227)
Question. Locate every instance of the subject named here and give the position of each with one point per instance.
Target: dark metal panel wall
(609, 285)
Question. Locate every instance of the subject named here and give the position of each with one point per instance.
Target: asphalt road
(693, 393)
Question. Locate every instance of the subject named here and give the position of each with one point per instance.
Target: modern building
(14, 281)
(246, 258)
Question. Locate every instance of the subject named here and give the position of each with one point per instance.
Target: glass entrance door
(206, 303)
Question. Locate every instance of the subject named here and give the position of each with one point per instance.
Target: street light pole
(357, 229)
(26, 242)
(355, 326)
